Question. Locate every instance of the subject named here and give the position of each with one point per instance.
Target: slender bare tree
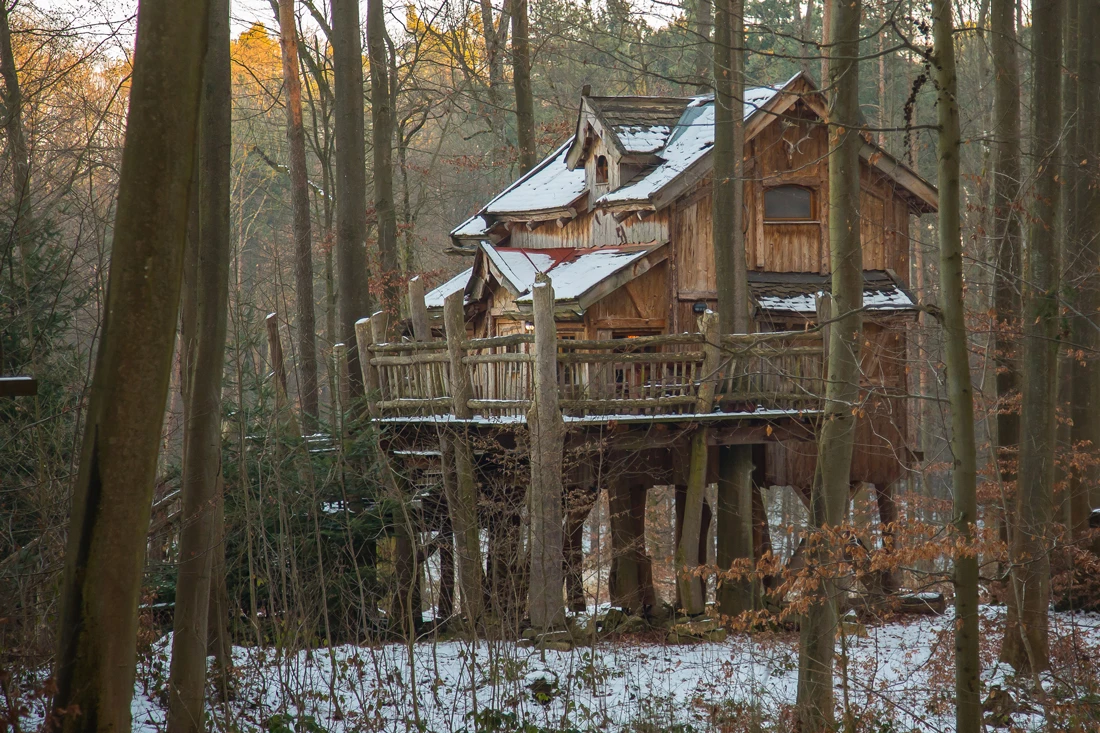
(960, 391)
(1026, 644)
(836, 438)
(205, 304)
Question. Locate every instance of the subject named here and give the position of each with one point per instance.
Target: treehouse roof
(668, 141)
(795, 293)
(580, 277)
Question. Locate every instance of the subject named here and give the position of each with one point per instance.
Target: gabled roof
(632, 125)
(580, 277)
(434, 298)
(550, 188)
(672, 138)
(795, 293)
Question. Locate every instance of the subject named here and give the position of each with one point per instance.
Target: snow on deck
(898, 676)
(580, 420)
(434, 298)
(550, 185)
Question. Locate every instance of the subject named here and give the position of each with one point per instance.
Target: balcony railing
(653, 376)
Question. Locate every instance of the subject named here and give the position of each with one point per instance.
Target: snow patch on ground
(608, 686)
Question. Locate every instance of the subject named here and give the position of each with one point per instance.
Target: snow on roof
(797, 292)
(519, 266)
(473, 228)
(575, 276)
(434, 298)
(550, 185)
(642, 138)
(692, 137)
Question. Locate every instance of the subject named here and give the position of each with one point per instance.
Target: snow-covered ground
(900, 675)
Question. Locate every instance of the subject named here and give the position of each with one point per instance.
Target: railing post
(454, 322)
(712, 359)
(418, 310)
(546, 429)
(371, 382)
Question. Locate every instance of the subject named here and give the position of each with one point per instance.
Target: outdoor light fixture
(699, 308)
(528, 326)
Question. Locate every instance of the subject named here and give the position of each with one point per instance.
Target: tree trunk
(112, 497)
(303, 237)
(13, 120)
(206, 298)
(835, 442)
(702, 23)
(1085, 260)
(734, 500)
(521, 79)
(381, 112)
(1025, 645)
(352, 275)
(968, 707)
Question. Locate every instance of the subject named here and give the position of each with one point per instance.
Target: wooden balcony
(665, 378)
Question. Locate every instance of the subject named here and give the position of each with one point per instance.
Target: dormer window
(601, 170)
(788, 203)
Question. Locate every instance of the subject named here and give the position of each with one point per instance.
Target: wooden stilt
(687, 550)
(547, 442)
(459, 480)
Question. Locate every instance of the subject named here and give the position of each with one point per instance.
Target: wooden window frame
(813, 218)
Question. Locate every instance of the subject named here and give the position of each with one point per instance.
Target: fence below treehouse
(654, 376)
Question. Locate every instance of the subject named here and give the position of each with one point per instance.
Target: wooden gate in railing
(648, 375)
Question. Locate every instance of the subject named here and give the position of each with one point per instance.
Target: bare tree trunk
(112, 497)
(1025, 645)
(1085, 257)
(835, 441)
(521, 79)
(352, 274)
(968, 705)
(381, 112)
(1006, 236)
(13, 119)
(807, 30)
(206, 298)
(496, 36)
(303, 237)
(702, 23)
(734, 499)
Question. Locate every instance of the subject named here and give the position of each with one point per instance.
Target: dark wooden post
(418, 310)
(371, 381)
(687, 551)
(459, 481)
(547, 442)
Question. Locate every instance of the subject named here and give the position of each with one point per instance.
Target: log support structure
(653, 402)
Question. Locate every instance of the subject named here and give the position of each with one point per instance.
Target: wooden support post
(459, 480)
(547, 442)
(687, 551)
(418, 310)
(343, 394)
(454, 321)
(363, 341)
(288, 423)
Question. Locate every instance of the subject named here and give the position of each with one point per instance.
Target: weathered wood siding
(788, 152)
(592, 229)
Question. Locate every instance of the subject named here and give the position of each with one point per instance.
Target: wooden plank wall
(789, 152)
(592, 229)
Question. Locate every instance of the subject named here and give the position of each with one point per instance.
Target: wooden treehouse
(619, 221)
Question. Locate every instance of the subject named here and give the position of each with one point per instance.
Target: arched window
(601, 169)
(786, 203)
